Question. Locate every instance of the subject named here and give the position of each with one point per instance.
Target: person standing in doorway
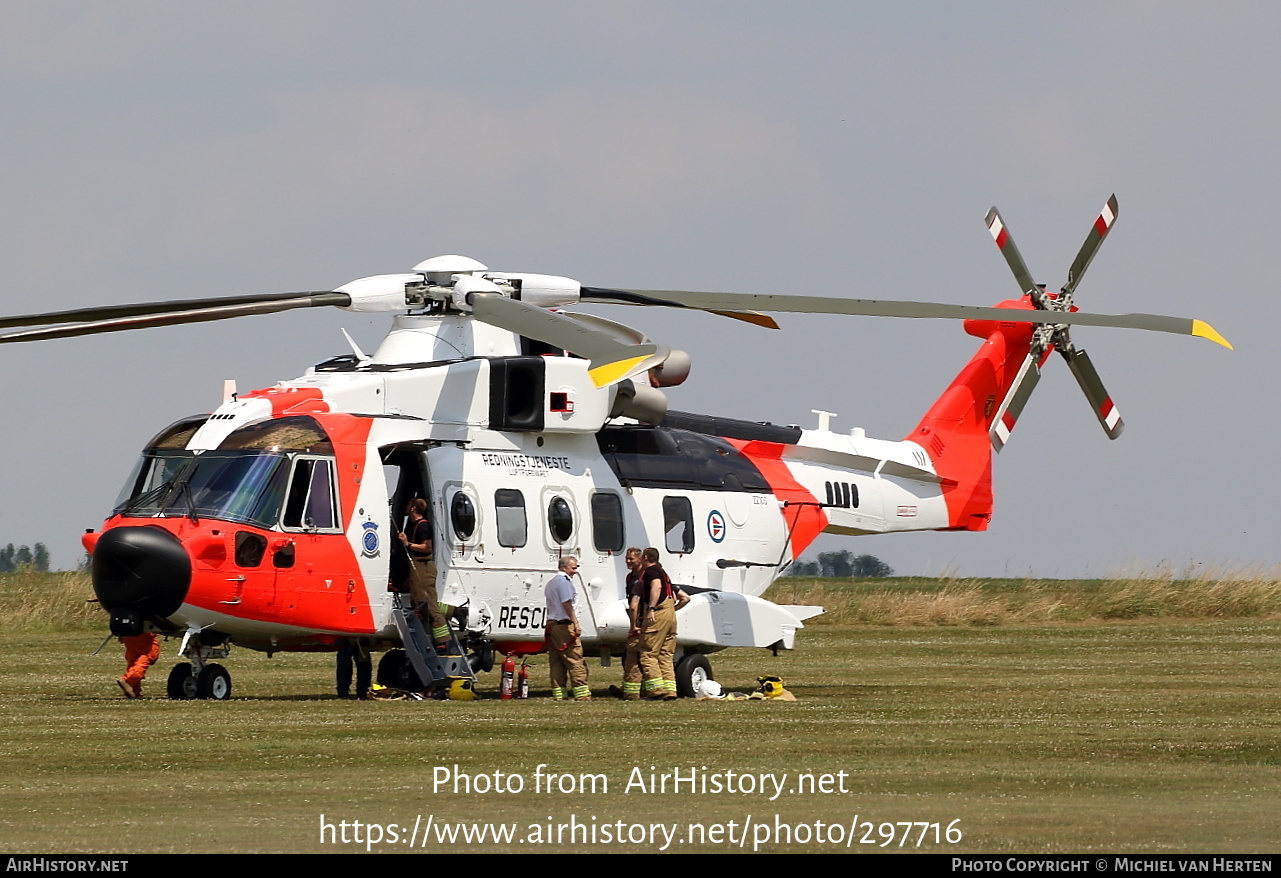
(417, 539)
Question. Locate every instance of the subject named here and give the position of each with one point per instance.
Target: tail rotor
(1053, 336)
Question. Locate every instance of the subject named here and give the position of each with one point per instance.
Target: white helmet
(710, 689)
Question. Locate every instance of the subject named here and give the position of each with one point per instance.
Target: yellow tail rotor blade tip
(1202, 329)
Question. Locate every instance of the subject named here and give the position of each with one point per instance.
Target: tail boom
(956, 431)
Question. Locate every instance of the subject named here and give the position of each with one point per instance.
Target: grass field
(1155, 734)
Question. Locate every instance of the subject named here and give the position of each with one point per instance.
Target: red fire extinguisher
(505, 687)
(522, 685)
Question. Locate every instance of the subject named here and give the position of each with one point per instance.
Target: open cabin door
(408, 478)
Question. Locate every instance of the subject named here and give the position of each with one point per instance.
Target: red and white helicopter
(272, 522)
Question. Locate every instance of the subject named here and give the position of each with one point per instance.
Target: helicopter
(532, 433)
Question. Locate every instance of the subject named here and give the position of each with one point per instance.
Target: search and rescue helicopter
(272, 523)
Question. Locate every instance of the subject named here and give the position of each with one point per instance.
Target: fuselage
(286, 503)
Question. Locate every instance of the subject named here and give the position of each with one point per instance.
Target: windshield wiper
(146, 498)
(185, 490)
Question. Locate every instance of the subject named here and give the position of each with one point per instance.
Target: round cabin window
(560, 518)
(462, 513)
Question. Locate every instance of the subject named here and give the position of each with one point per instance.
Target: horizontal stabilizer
(724, 618)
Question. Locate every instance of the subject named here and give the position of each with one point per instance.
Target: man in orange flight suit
(141, 650)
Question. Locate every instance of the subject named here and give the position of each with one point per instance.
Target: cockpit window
(153, 470)
(164, 455)
(277, 473)
(179, 433)
(229, 486)
(281, 434)
(310, 505)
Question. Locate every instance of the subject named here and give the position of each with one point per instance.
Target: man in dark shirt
(417, 540)
(632, 675)
(659, 602)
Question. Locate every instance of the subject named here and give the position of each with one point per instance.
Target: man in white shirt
(564, 648)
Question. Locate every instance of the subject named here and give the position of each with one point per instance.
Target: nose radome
(141, 568)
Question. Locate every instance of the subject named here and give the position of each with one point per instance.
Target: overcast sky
(168, 150)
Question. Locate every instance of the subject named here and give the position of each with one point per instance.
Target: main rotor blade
(883, 308)
(611, 359)
(1098, 231)
(1005, 243)
(632, 297)
(1100, 402)
(175, 317)
(114, 312)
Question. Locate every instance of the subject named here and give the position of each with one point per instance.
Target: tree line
(24, 558)
(843, 565)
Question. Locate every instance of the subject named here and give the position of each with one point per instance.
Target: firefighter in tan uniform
(661, 600)
(632, 675)
(417, 540)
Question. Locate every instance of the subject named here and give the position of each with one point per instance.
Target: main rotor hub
(440, 270)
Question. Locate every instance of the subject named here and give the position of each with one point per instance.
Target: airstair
(435, 669)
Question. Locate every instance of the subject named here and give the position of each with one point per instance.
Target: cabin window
(509, 510)
(678, 525)
(649, 457)
(560, 519)
(310, 505)
(462, 514)
(607, 522)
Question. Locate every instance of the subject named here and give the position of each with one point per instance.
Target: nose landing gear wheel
(395, 671)
(214, 682)
(181, 685)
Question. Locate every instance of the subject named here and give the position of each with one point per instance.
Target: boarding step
(435, 669)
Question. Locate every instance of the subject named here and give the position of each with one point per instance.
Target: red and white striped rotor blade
(1005, 243)
(1007, 413)
(1102, 225)
(1100, 402)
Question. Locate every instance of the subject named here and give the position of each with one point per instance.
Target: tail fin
(977, 412)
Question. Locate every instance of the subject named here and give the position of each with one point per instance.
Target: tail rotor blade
(1100, 402)
(1005, 243)
(1007, 414)
(1098, 231)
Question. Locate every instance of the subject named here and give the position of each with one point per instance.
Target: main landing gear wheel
(182, 683)
(690, 674)
(214, 683)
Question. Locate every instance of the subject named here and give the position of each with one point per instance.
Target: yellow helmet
(771, 686)
(462, 689)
